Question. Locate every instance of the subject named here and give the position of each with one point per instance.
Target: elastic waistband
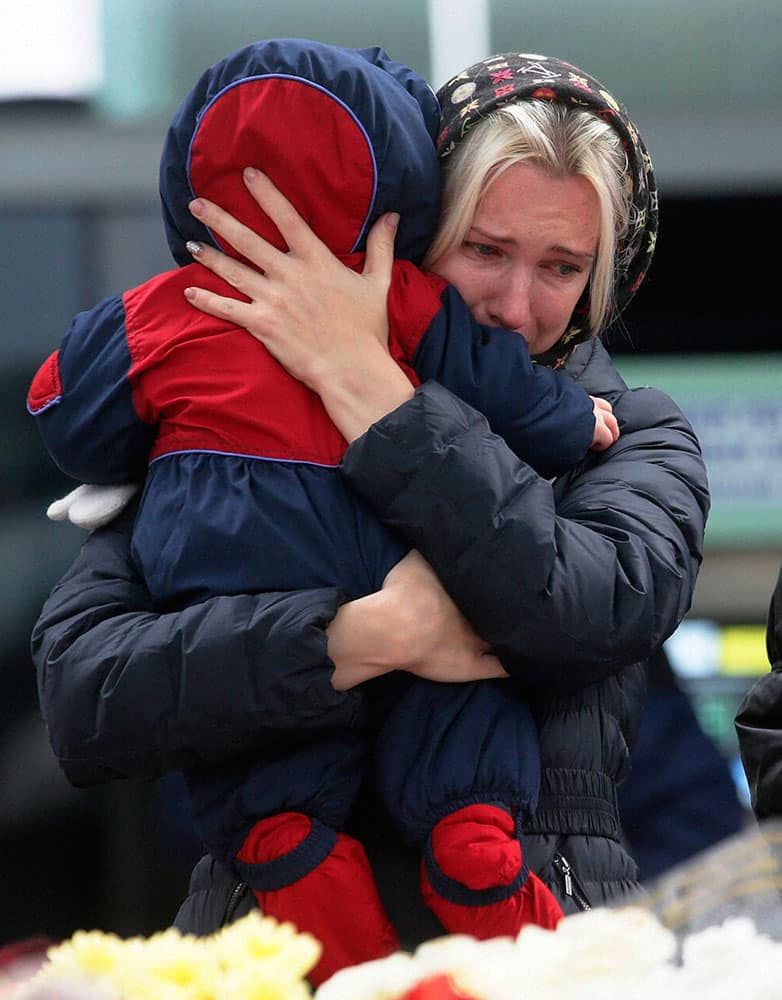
(576, 802)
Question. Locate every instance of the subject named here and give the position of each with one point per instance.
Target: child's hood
(346, 134)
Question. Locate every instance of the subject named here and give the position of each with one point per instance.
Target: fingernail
(250, 173)
(190, 294)
(392, 220)
(196, 207)
(194, 247)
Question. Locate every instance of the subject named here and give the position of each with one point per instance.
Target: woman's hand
(410, 624)
(326, 324)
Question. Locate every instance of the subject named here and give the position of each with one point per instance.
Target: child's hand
(90, 506)
(606, 426)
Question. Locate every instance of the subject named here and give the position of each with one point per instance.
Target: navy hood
(345, 134)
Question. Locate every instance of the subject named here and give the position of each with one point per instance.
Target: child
(243, 491)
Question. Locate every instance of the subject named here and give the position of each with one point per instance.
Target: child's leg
(455, 764)
(299, 868)
(475, 880)
(332, 896)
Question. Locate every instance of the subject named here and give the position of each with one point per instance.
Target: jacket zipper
(237, 894)
(573, 888)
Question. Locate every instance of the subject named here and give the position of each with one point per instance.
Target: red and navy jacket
(243, 491)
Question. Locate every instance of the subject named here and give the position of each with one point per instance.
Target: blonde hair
(566, 140)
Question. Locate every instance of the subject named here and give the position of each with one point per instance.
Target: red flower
(439, 987)
(545, 93)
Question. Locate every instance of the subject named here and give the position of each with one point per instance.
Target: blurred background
(86, 92)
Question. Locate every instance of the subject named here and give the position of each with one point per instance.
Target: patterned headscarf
(513, 77)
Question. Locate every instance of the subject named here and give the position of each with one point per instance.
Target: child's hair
(565, 140)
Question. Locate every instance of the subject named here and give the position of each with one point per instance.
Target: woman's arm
(595, 570)
(126, 692)
(129, 693)
(411, 624)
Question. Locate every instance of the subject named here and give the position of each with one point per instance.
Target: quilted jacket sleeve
(567, 581)
(543, 415)
(128, 693)
(759, 723)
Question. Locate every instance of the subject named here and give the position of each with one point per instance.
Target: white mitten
(91, 506)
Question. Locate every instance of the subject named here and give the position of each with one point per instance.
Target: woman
(570, 583)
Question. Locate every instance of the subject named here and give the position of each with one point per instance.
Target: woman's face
(526, 258)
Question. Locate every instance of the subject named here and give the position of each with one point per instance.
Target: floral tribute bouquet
(693, 934)
(621, 954)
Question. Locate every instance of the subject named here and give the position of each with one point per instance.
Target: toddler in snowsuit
(243, 491)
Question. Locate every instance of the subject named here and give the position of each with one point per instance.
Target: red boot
(336, 901)
(475, 881)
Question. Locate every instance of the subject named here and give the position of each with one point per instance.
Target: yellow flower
(259, 939)
(168, 965)
(259, 983)
(87, 953)
(254, 959)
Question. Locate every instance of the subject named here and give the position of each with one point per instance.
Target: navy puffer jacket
(573, 583)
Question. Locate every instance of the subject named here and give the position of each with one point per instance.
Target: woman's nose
(511, 303)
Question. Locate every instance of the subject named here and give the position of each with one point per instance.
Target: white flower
(732, 959)
(57, 988)
(484, 969)
(383, 979)
(601, 946)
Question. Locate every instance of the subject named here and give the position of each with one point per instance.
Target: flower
(605, 954)
(66, 989)
(734, 945)
(255, 958)
(477, 968)
(167, 966)
(600, 946)
(87, 953)
(382, 979)
(19, 960)
(439, 987)
(260, 940)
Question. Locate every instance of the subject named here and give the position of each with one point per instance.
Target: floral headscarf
(513, 77)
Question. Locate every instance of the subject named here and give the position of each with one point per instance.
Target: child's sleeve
(82, 399)
(543, 415)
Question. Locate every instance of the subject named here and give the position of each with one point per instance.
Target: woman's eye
(565, 270)
(482, 249)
